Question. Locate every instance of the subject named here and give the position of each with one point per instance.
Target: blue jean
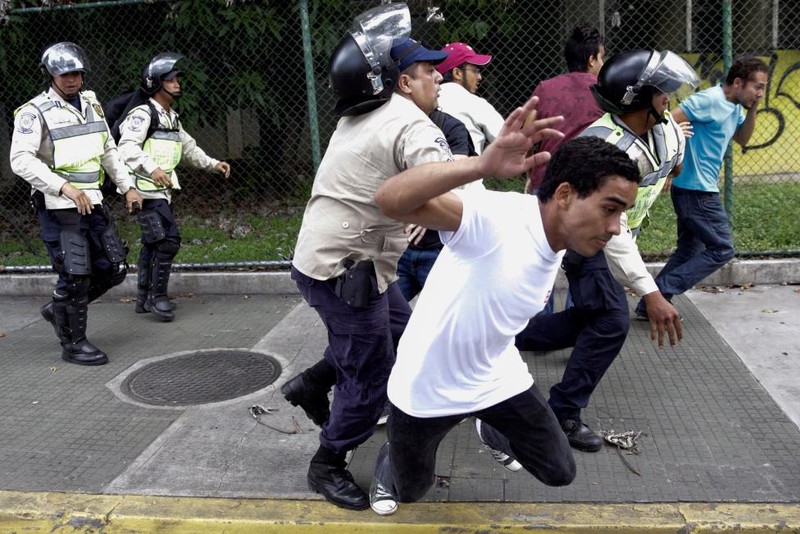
(704, 242)
(523, 422)
(361, 349)
(413, 268)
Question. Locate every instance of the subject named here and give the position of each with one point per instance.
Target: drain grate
(201, 377)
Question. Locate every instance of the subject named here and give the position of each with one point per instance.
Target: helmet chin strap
(659, 118)
(176, 95)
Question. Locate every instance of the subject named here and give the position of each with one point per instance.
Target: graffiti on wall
(774, 148)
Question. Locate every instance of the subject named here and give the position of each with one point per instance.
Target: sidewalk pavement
(162, 438)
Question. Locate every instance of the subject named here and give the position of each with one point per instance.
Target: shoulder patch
(98, 109)
(442, 142)
(135, 123)
(26, 122)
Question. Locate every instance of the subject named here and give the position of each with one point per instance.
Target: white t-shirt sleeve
(474, 234)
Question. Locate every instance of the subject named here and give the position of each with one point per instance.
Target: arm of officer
(25, 162)
(196, 156)
(116, 169)
(627, 266)
(421, 194)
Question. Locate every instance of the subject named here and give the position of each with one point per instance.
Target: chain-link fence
(256, 92)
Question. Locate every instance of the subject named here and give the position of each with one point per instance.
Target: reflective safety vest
(164, 147)
(77, 148)
(654, 167)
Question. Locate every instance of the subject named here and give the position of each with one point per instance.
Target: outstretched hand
(507, 155)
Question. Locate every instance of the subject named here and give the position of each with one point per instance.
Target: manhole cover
(202, 377)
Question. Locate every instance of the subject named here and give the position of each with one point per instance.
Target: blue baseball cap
(406, 51)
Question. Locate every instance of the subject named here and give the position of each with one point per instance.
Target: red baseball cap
(461, 53)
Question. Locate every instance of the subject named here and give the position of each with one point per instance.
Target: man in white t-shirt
(457, 357)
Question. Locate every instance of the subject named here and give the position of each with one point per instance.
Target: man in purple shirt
(568, 94)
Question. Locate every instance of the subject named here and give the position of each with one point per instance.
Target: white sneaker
(504, 459)
(381, 501)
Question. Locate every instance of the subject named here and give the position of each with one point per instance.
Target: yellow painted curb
(69, 512)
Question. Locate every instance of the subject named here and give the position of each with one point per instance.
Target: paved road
(719, 416)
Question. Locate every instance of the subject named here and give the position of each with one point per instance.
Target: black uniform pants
(596, 328)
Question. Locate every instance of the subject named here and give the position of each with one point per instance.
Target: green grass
(765, 219)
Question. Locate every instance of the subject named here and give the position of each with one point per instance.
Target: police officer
(152, 144)
(62, 146)
(633, 90)
(347, 249)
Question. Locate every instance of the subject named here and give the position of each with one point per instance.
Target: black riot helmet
(160, 68)
(62, 58)
(362, 73)
(628, 81)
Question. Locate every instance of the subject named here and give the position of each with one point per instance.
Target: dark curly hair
(586, 163)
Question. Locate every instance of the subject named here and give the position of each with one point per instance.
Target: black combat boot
(49, 316)
(142, 286)
(159, 303)
(71, 317)
(327, 475)
(309, 390)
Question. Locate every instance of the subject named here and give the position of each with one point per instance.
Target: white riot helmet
(62, 58)
(161, 67)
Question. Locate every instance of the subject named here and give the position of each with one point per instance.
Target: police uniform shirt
(32, 148)
(656, 160)
(342, 220)
(133, 134)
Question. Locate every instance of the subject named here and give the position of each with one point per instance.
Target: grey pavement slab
(63, 428)
(711, 430)
(762, 324)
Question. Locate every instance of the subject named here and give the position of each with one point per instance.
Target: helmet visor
(670, 73)
(62, 58)
(375, 29)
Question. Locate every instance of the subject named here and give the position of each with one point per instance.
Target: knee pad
(152, 227)
(167, 248)
(73, 259)
(100, 285)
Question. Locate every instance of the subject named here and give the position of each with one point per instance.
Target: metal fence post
(727, 61)
(311, 88)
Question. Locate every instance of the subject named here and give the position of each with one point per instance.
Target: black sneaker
(503, 458)
(581, 436)
(313, 400)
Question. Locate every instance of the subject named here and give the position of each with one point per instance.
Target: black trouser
(164, 211)
(91, 227)
(596, 328)
(361, 349)
(524, 421)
